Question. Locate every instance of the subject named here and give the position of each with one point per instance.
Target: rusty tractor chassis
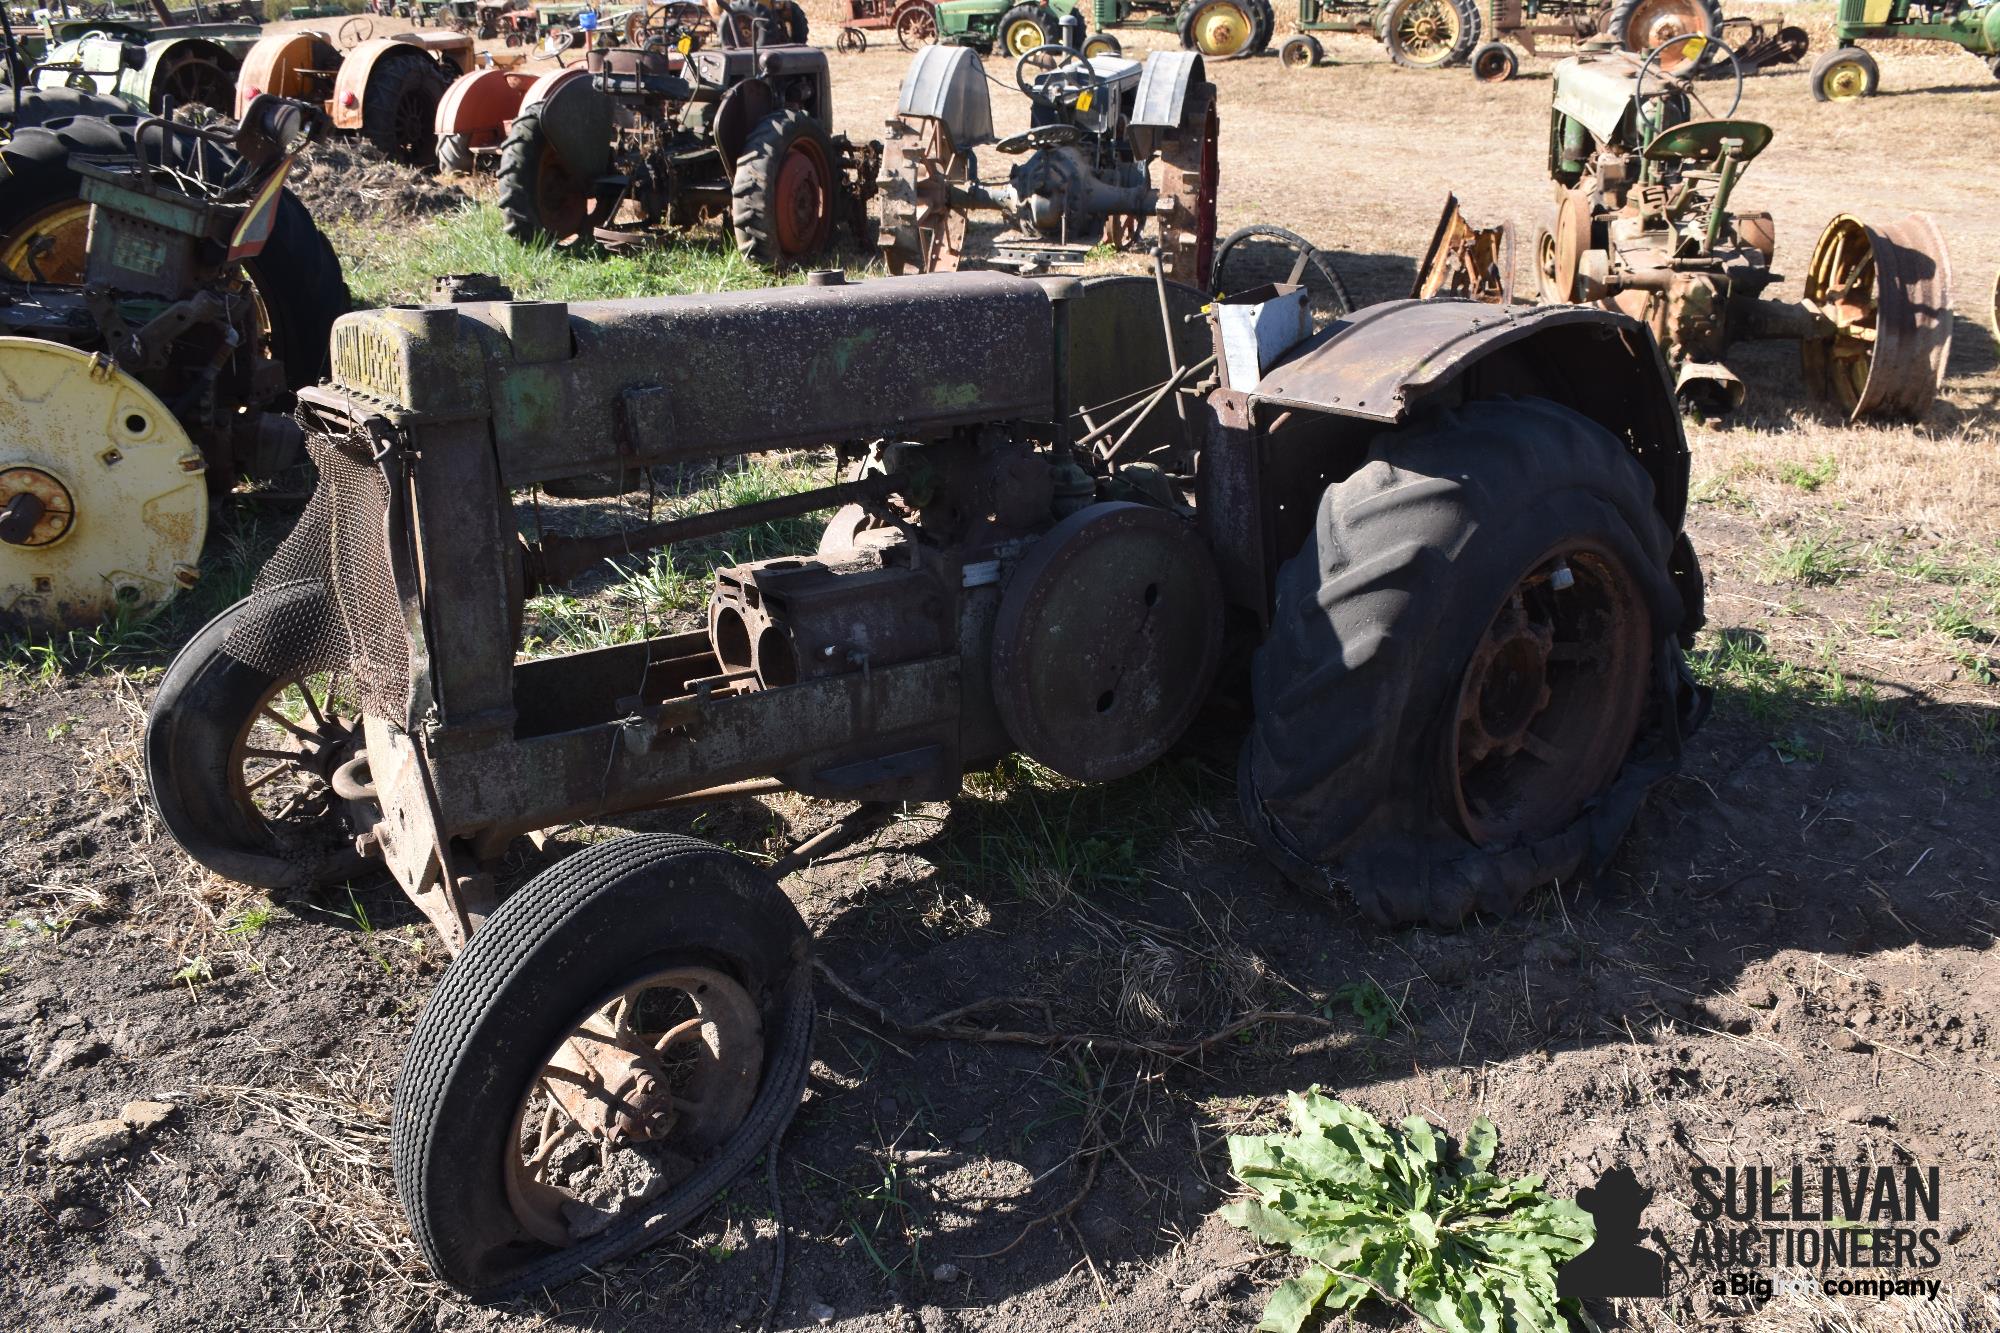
(865, 674)
(1061, 505)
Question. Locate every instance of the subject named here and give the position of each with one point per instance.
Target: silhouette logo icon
(1615, 1264)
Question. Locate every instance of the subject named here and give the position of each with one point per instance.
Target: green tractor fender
(190, 69)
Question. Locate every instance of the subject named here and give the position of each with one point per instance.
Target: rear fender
(577, 120)
(350, 86)
(162, 53)
(480, 104)
(1311, 419)
(947, 83)
(281, 65)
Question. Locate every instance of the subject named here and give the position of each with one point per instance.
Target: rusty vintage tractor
(676, 132)
(1644, 223)
(1082, 170)
(386, 89)
(1447, 540)
(160, 297)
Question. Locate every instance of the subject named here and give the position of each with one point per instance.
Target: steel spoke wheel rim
(645, 1086)
(1551, 698)
(1428, 30)
(282, 763)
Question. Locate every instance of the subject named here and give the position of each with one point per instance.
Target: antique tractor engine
(160, 296)
(1082, 174)
(1644, 223)
(674, 131)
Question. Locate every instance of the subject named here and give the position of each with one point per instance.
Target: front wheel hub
(36, 509)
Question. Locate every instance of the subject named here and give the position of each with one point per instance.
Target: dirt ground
(1792, 958)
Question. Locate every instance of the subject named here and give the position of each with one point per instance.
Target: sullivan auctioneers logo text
(1760, 1221)
(1764, 1230)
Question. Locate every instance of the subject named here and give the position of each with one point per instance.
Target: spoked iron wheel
(283, 765)
(1426, 34)
(1551, 698)
(196, 81)
(641, 1089)
(916, 27)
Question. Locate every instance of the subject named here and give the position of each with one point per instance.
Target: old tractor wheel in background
(1645, 25)
(1254, 255)
(782, 199)
(1573, 233)
(1219, 29)
(1188, 182)
(1429, 34)
(103, 505)
(922, 230)
(244, 766)
(1102, 44)
(296, 277)
(454, 155)
(1025, 27)
(192, 79)
(626, 1034)
(1544, 257)
(1494, 62)
(851, 42)
(538, 195)
(1301, 51)
(1845, 75)
(1463, 689)
(399, 109)
(1887, 293)
(916, 25)
(1106, 641)
(1263, 21)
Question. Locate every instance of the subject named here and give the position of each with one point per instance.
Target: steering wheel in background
(1091, 82)
(1698, 59)
(356, 30)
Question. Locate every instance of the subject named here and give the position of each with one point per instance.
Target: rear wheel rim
(1844, 81)
(1551, 698)
(67, 226)
(1428, 30)
(1656, 22)
(415, 131)
(652, 1080)
(1842, 282)
(916, 28)
(1023, 36)
(802, 215)
(1221, 29)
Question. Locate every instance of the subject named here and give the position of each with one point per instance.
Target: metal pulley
(103, 506)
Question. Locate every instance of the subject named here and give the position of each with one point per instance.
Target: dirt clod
(89, 1141)
(143, 1118)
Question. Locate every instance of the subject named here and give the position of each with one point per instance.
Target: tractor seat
(1699, 141)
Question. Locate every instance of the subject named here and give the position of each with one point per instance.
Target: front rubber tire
(537, 197)
(1845, 75)
(768, 229)
(553, 951)
(205, 700)
(1376, 619)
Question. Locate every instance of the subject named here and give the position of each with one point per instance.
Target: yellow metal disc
(102, 500)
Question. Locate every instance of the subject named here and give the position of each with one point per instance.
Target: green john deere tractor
(1849, 73)
(1219, 29)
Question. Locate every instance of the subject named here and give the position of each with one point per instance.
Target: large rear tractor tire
(297, 276)
(1642, 25)
(1430, 34)
(783, 197)
(399, 110)
(1220, 29)
(538, 197)
(1473, 674)
(680, 978)
(240, 763)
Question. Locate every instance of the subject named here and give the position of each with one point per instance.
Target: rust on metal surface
(1885, 295)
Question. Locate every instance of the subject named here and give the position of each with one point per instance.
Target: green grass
(398, 267)
(676, 582)
(1810, 477)
(1815, 559)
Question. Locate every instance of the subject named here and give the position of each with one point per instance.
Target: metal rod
(1167, 328)
(557, 559)
(1152, 400)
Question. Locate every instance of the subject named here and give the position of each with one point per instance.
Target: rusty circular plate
(1107, 639)
(1572, 239)
(1549, 704)
(1886, 292)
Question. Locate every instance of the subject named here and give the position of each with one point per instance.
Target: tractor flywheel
(1886, 296)
(922, 231)
(103, 506)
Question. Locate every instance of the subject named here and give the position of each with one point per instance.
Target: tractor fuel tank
(576, 387)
